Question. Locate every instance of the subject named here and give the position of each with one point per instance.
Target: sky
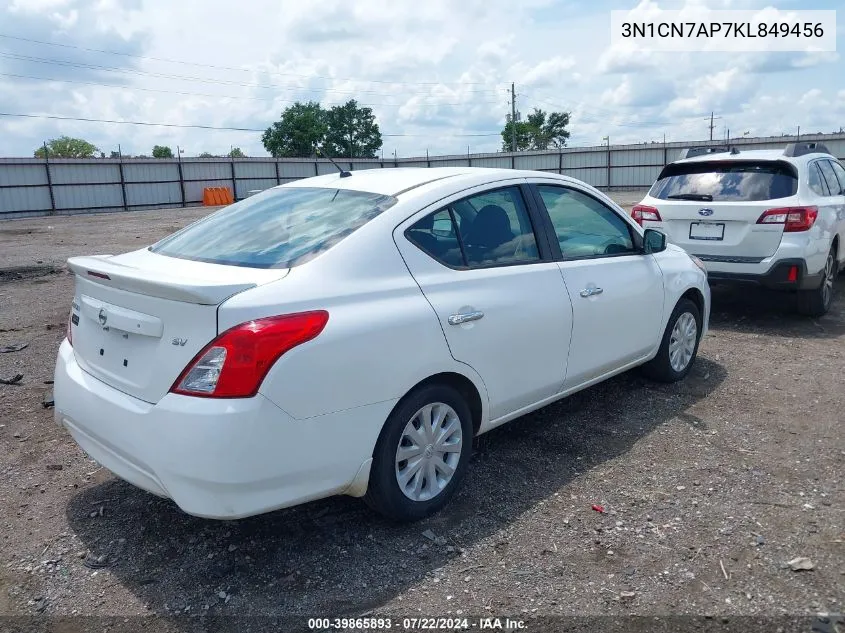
(437, 74)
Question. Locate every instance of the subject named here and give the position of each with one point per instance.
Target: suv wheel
(815, 303)
(421, 455)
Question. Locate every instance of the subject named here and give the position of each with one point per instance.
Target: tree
(206, 155)
(67, 147)
(299, 133)
(236, 153)
(162, 151)
(540, 130)
(352, 131)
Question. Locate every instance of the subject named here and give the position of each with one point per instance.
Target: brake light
(235, 363)
(641, 213)
(794, 219)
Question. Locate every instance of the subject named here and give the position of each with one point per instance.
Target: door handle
(589, 292)
(466, 317)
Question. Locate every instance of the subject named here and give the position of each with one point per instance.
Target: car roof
(755, 154)
(394, 181)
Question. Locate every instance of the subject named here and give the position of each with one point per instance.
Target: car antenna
(343, 172)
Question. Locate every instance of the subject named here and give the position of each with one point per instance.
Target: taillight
(235, 363)
(642, 213)
(793, 218)
(70, 328)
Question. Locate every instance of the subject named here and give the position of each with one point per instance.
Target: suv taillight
(794, 219)
(235, 363)
(70, 328)
(642, 213)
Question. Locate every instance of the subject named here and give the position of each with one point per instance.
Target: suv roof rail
(799, 149)
(691, 152)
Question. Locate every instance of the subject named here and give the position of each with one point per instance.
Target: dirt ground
(709, 487)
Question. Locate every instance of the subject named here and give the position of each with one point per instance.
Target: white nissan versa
(351, 333)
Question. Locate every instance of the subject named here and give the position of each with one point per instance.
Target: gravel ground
(708, 487)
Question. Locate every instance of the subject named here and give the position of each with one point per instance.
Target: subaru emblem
(103, 316)
(705, 212)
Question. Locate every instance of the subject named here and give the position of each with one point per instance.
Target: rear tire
(679, 346)
(432, 426)
(816, 303)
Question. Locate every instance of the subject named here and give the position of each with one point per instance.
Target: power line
(233, 68)
(200, 94)
(207, 127)
(133, 71)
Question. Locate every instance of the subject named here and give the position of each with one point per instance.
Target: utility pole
(798, 138)
(513, 118)
(712, 124)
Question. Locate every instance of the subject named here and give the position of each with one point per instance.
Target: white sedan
(351, 333)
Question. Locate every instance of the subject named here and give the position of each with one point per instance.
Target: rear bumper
(776, 277)
(221, 459)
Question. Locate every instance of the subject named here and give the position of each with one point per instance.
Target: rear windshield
(726, 181)
(278, 228)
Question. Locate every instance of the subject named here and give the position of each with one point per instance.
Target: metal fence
(34, 186)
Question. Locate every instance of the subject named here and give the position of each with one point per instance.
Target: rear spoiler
(101, 270)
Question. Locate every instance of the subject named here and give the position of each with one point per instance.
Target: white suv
(771, 217)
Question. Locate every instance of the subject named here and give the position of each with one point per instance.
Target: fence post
(181, 178)
(122, 179)
(427, 159)
(316, 168)
(278, 177)
(608, 164)
(560, 162)
(513, 161)
(234, 179)
(49, 180)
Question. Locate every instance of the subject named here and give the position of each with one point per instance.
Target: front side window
(815, 180)
(726, 181)
(584, 226)
(829, 177)
(488, 229)
(278, 228)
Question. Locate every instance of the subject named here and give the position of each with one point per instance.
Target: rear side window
(840, 174)
(489, 229)
(734, 181)
(815, 181)
(279, 228)
(829, 176)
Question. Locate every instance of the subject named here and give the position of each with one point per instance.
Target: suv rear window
(278, 228)
(726, 181)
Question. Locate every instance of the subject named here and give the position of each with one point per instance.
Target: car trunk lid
(726, 229)
(140, 318)
(711, 207)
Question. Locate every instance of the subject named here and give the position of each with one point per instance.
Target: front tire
(816, 303)
(679, 345)
(421, 455)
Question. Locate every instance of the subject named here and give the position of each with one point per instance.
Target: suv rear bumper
(777, 277)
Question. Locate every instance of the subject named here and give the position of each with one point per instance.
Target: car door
(616, 291)
(496, 290)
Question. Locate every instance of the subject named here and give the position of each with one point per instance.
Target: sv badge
(179, 341)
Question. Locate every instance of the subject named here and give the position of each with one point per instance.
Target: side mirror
(653, 241)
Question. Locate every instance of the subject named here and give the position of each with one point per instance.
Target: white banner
(649, 28)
